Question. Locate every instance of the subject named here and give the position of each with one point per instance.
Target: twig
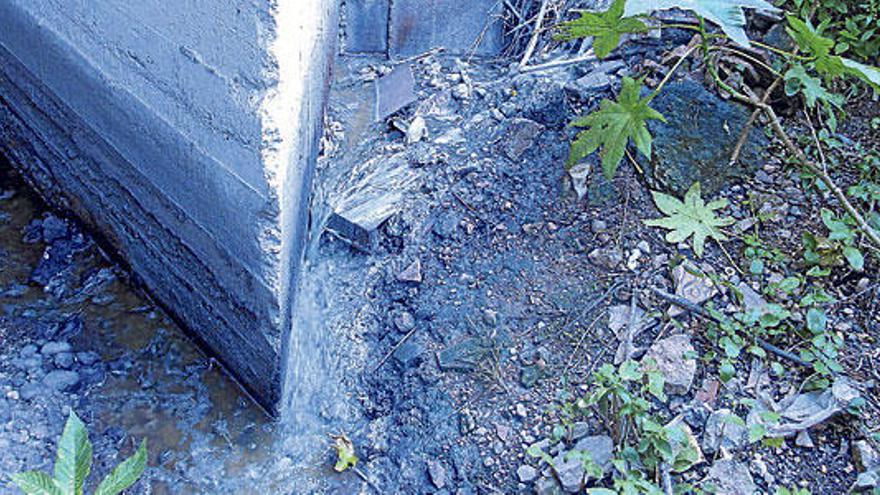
(666, 479)
(394, 349)
(744, 134)
(533, 42)
(367, 480)
(699, 310)
(587, 57)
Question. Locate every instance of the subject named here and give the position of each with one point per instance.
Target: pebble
(51, 348)
(669, 359)
(437, 473)
(526, 473)
(61, 380)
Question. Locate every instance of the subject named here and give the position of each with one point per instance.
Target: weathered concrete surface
(187, 137)
(403, 28)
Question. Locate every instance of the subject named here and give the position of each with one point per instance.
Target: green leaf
(690, 218)
(798, 81)
(613, 125)
(867, 73)
(816, 320)
(809, 40)
(629, 371)
(36, 483)
(345, 456)
(855, 258)
(605, 28)
(757, 432)
(726, 371)
(727, 14)
(125, 474)
(74, 456)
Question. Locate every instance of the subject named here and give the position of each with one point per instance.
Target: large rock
(729, 477)
(724, 429)
(698, 139)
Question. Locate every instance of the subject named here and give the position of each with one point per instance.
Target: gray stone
(526, 473)
(696, 143)
(61, 380)
(404, 321)
(588, 86)
(599, 447)
(864, 455)
(692, 283)
(521, 135)
(668, 358)
(54, 228)
(462, 356)
(30, 390)
(547, 486)
(87, 358)
(608, 258)
(458, 27)
(64, 360)
(51, 348)
(5, 412)
(731, 478)
(804, 440)
(394, 91)
(437, 473)
(722, 431)
(412, 273)
(570, 473)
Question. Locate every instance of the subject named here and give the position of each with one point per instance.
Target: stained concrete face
(186, 135)
(404, 28)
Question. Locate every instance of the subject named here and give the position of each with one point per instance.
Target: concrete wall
(185, 132)
(404, 28)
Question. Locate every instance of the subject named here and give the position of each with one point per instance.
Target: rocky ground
(473, 287)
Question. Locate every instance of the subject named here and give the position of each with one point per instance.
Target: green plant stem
(691, 27)
(750, 58)
(669, 74)
(779, 51)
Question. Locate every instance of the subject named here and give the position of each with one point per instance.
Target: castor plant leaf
(727, 14)
(610, 128)
(690, 219)
(605, 28)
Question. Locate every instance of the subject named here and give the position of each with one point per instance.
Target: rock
(589, 85)
(462, 356)
(723, 430)
(697, 145)
(693, 284)
(864, 455)
(521, 134)
(751, 300)
(547, 486)
(64, 360)
(61, 380)
(599, 447)
(52, 348)
(394, 91)
(87, 358)
(404, 321)
(417, 130)
(708, 393)
(412, 273)
(803, 440)
(570, 474)
(608, 258)
(30, 390)
(526, 473)
(730, 478)
(579, 175)
(437, 473)
(5, 413)
(669, 359)
(598, 226)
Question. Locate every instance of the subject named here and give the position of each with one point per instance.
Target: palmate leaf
(797, 80)
(36, 483)
(727, 14)
(613, 125)
(691, 218)
(125, 473)
(74, 457)
(605, 28)
(867, 73)
(819, 47)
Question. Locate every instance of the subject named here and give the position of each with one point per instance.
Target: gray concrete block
(471, 26)
(186, 137)
(366, 26)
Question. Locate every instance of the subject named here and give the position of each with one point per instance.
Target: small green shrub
(72, 465)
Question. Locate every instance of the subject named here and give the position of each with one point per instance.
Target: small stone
(54, 228)
(598, 226)
(723, 430)
(570, 474)
(61, 380)
(731, 478)
(608, 258)
(526, 473)
(803, 440)
(417, 130)
(64, 360)
(547, 486)
(864, 455)
(669, 359)
(412, 273)
(599, 447)
(586, 87)
(404, 321)
(5, 413)
(87, 358)
(31, 390)
(521, 134)
(394, 91)
(437, 473)
(51, 348)
(692, 284)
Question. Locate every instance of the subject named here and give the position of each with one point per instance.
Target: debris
(412, 273)
(803, 411)
(394, 91)
(579, 173)
(526, 473)
(437, 473)
(345, 456)
(692, 284)
(726, 430)
(673, 358)
(521, 134)
(417, 130)
(708, 393)
(729, 477)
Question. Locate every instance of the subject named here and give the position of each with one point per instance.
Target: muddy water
(204, 434)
